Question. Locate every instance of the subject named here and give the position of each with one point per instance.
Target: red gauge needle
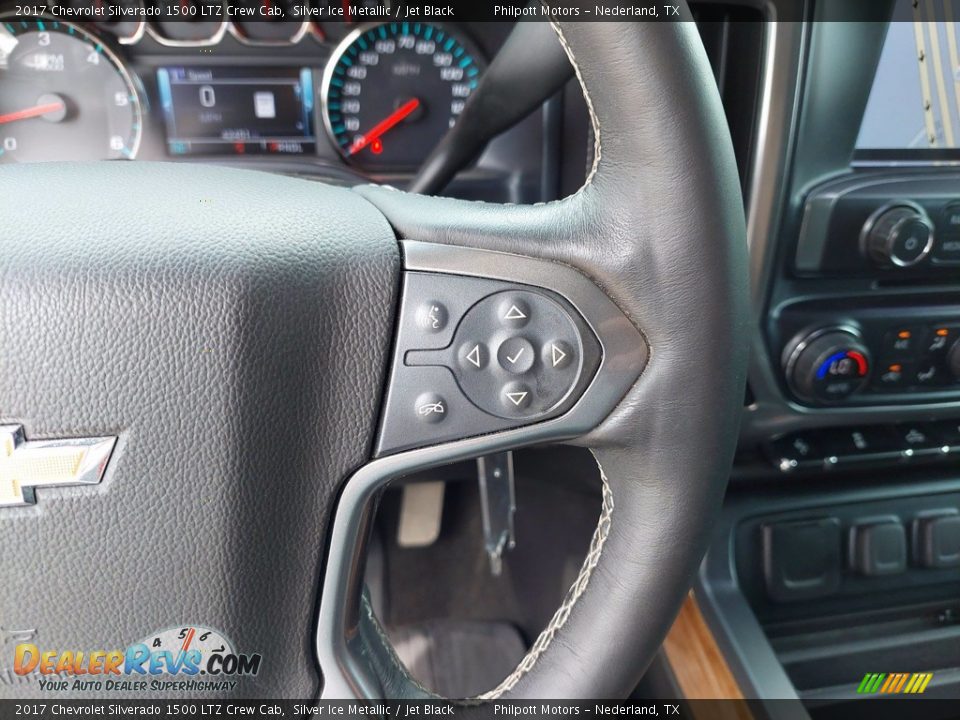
(381, 127)
(35, 111)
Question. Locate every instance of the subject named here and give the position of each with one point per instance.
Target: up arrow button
(513, 311)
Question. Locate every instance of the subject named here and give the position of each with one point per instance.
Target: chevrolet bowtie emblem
(25, 466)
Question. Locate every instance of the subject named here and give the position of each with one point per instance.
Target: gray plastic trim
(346, 673)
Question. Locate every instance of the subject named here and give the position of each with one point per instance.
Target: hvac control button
(516, 396)
(940, 338)
(894, 375)
(431, 408)
(929, 372)
(827, 365)
(432, 316)
(557, 355)
(473, 356)
(903, 342)
(513, 312)
(516, 355)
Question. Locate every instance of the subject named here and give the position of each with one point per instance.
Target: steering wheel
(247, 339)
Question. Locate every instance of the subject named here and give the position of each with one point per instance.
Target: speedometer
(391, 91)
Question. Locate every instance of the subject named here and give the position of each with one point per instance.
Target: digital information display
(237, 111)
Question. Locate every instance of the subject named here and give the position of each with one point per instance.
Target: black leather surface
(232, 328)
(661, 228)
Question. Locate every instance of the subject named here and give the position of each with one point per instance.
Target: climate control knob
(827, 365)
(899, 236)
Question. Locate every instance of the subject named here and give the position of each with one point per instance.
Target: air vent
(733, 37)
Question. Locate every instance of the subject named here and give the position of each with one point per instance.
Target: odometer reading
(63, 95)
(392, 90)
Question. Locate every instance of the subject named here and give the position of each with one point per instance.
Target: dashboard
(360, 98)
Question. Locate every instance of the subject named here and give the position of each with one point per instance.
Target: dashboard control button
(796, 451)
(940, 338)
(899, 236)
(894, 375)
(937, 540)
(516, 396)
(918, 439)
(827, 365)
(946, 251)
(858, 443)
(432, 316)
(516, 355)
(557, 354)
(473, 356)
(431, 408)
(929, 372)
(513, 311)
(903, 342)
(951, 217)
(878, 547)
(802, 559)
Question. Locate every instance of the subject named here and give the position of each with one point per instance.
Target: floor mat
(458, 659)
(558, 503)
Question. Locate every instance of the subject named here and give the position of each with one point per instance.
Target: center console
(870, 318)
(838, 551)
(891, 238)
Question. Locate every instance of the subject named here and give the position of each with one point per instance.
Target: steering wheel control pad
(477, 355)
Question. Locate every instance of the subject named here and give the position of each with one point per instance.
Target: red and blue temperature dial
(845, 364)
(827, 365)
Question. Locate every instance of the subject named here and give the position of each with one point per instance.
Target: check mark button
(516, 355)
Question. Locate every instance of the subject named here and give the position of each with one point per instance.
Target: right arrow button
(557, 355)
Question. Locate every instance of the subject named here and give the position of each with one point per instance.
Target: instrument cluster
(365, 92)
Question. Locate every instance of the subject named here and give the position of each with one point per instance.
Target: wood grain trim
(698, 664)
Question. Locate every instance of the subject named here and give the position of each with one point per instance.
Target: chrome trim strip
(204, 42)
(776, 122)
(238, 35)
(137, 35)
(347, 675)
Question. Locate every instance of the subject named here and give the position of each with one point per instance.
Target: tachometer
(391, 91)
(63, 95)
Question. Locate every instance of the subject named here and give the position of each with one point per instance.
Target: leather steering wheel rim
(231, 330)
(659, 226)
